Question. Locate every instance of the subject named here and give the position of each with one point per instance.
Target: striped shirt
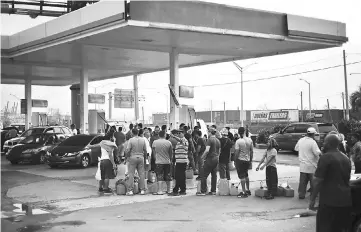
(181, 151)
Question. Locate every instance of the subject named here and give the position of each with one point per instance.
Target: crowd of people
(169, 155)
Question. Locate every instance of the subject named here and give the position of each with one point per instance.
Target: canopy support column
(84, 101)
(174, 83)
(28, 103)
(136, 100)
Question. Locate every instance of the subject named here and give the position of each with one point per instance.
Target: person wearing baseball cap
(210, 157)
(225, 158)
(308, 154)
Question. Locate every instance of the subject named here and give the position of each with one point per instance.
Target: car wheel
(357, 226)
(14, 162)
(42, 158)
(85, 161)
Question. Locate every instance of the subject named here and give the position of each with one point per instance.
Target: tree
(355, 100)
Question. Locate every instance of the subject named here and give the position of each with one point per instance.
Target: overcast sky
(281, 93)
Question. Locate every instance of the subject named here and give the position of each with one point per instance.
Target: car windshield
(32, 131)
(326, 128)
(77, 141)
(35, 139)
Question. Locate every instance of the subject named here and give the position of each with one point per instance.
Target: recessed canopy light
(239, 48)
(146, 40)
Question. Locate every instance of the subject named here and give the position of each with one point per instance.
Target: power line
(296, 65)
(275, 77)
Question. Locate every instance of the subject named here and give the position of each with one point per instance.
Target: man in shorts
(242, 158)
(163, 151)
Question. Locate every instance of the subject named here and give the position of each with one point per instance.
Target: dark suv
(288, 137)
(37, 130)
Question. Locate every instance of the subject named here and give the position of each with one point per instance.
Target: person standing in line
(201, 147)
(242, 157)
(331, 182)
(181, 161)
(269, 159)
(225, 156)
(149, 152)
(73, 129)
(210, 157)
(154, 137)
(129, 133)
(163, 151)
(230, 135)
(164, 128)
(119, 141)
(308, 153)
(249, 145)
(191, 151)
(136, 152)
(174, 142)
(107, 163)
(355, 151)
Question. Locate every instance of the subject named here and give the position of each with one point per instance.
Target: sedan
(74, 151)
(33, 148)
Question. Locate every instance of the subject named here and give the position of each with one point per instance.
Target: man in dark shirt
(119, 141)
(210, 157)
(230, 135)
(129, 133)
(225, 157)
(164, 128)
(331, 180)
(201, 147)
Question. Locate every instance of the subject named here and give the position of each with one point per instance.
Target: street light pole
(309, 94)
(241, 70)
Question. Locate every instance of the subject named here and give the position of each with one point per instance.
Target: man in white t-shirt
(308, 154)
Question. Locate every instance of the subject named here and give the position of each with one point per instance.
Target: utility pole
(301, 108)
(224, 114)
(110, 105)
(143, 115)
(329, 111)
(343, 105)
(346, 87)
(211, 113)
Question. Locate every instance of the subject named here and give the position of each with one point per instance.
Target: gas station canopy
(114, 38)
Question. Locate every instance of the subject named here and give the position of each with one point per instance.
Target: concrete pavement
(69, 196)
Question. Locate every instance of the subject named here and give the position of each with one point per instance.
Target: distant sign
(96, 98)
(35, 103)
(282, 115)
(186, 91)
(123, 98)
(314, 115)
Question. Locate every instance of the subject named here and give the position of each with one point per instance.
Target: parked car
(19, 126)
(289, 136)
(74, 151)
(33, 148)
(355, 184)
(37, 130)
(8, 133)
